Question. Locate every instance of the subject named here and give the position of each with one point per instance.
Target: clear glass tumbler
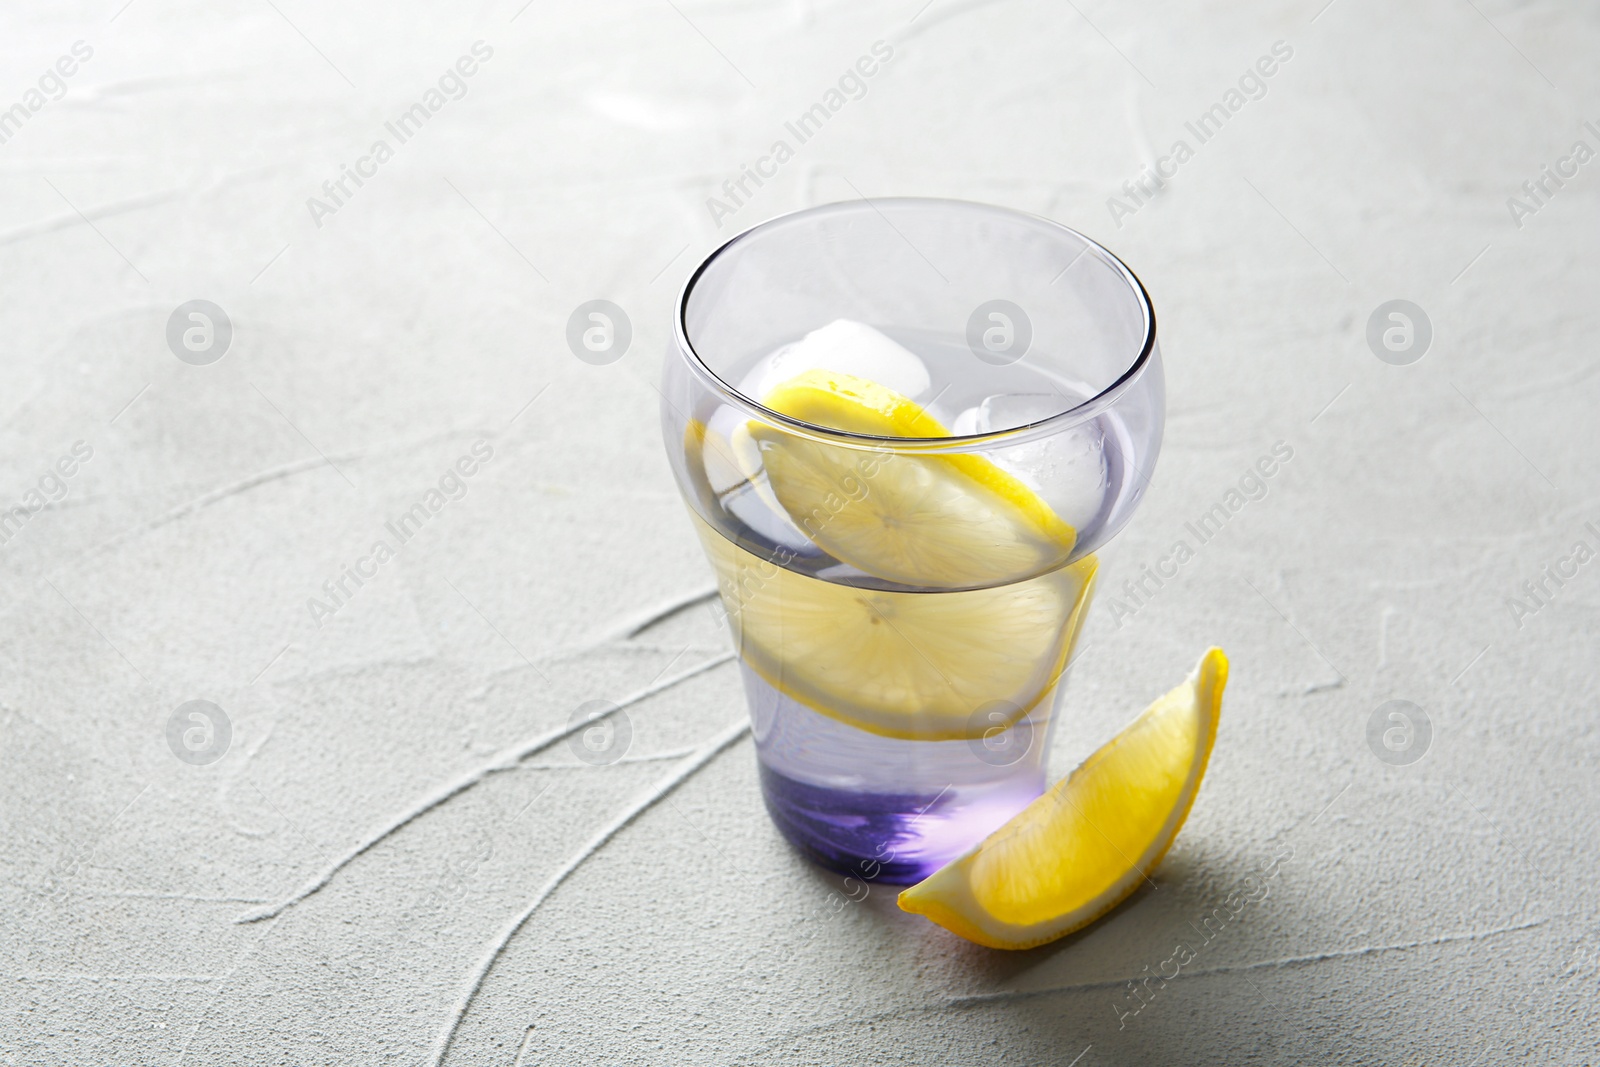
(903, 427)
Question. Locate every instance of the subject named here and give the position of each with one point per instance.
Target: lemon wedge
(940, 521)
(1082, 847)
(907, 665)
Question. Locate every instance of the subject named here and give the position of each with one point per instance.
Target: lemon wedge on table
(908, 665)
(1082, 847)
(940, 521)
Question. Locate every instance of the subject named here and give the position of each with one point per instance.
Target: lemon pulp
(899, 664)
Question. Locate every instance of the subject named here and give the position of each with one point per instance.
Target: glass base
(894, 838)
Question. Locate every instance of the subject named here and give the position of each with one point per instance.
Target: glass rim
(1071, 416)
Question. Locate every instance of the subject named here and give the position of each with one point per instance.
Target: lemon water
(1087, 474)
(882, 809)
(856, 791)
(904, 623)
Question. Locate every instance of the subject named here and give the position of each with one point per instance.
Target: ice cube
(731, 462)
(1067, 468)
(1007, 411)
(844, 347)
(966, 422)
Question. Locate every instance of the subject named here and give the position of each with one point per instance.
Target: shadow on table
(1092, 997)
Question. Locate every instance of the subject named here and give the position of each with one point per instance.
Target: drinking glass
(903, 427)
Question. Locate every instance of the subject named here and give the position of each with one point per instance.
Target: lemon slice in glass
(1081, 848)
(939, 521)
(908, 665)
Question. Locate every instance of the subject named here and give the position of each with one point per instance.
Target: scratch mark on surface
(617, 636)
(954, 11)
(156, 977)
(522, 1049)
(190, 506)
(62, 222)
(254, 741)
(1558, 383)
(705, 755)
(1388, 612)
(637, 624)
(643, 648)
(132, 203)
(648, 757)
(503, 761)
(1288, 961)
(152, 894)
(93, 94)
(271, 474)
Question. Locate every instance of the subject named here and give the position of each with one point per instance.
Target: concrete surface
(395, 796)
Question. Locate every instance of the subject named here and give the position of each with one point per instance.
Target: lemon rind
(819, 396)
(965, 917)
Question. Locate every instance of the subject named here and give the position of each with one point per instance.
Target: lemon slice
(935, 521)
(908, 665)
(1076, 852)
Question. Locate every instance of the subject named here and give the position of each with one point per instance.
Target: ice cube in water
(843, 347)
(1067, 469)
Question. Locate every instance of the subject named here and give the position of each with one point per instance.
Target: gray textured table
(394, 796)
